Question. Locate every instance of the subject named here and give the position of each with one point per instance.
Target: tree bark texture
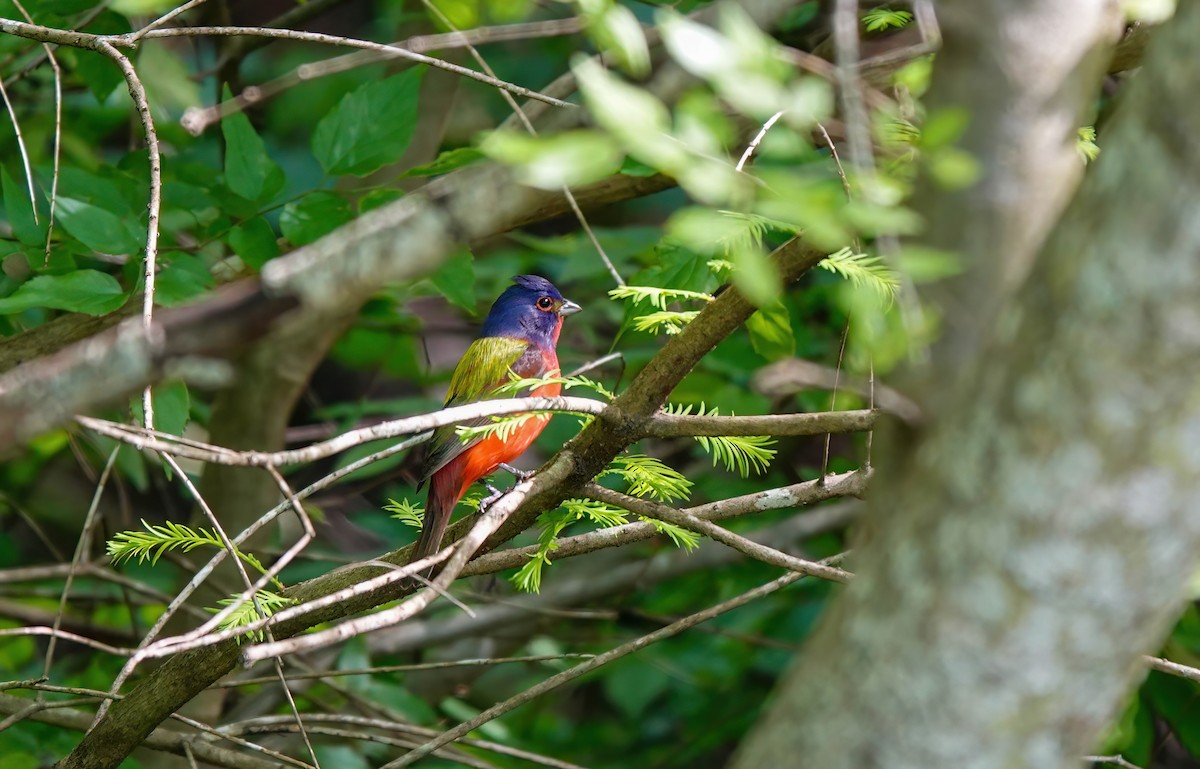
(1024, 74)
(1040, 535)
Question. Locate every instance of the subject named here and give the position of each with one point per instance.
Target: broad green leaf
(95, 69)
(99, 228)
(568, 159)
(619, 34)
(771, 332)
(254, 241)
(378, 198)
(183, 278)
(370, 127)
(19, 210)
(313, 216)
(142, 7)
(249, 170)
(171, 407)
(698, 48)
(633, 686)
(456, 280)
(450, 160)
(755, 276)
(86, 291)
(634, 116)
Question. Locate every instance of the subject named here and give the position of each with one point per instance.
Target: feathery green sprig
(517, 384)
(664, 321)
(657, 296)
(879, 19)
(158, 539)
(1085, 144)
(744, 454)
(649, 477)
(529, 577)
(406, 512)
(265, 604)
(864, 271)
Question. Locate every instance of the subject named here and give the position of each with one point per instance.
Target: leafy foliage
(649, 477)
(664, 321)
(158, 539)
(406, 512)
(519, 384)
(1086, 145)
(263, 605)
(869, 272)
(745, 454)
(551, 524)
(657, 296)
(882, 18)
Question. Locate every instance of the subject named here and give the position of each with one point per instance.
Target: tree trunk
(1039, 536)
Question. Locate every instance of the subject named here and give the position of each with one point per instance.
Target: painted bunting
(519, 336)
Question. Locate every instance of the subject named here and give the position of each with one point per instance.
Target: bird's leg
(490, 499)
(520, 475)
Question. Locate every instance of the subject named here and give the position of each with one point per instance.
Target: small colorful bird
(519, 336)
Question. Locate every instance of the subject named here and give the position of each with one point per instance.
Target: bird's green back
(484, 367)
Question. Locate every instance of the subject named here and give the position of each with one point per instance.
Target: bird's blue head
(531, 309)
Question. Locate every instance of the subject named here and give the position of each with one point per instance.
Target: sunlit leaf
(86, 291)
(371, 126)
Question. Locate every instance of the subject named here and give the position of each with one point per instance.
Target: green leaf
(450, 160)
(184, 278)
(370, 127)
(86, 291)
(95, 69)
(406, 512)
(100, 229)
(569, 159)
(879, 19)
(1085, 144)
(254, 241)
(633, 686)
(378, 198)
(771, 332)
(648, 476)
(314, 216)
(455, 280)
(755, 276)
(869, 272)
(171, 407)
(19, 210)
(249, 170)
(264, 604)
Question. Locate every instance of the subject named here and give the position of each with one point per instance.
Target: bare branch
(694, 523)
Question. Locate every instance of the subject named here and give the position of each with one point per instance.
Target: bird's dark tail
(445, 489)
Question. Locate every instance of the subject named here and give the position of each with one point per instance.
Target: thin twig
(190, 120)
(48, 50)
(150, 266)
(12, 116)
(685, 520)
(161, 20)
(380, 669)
(202, 119)
(753, 145)
(81, 548)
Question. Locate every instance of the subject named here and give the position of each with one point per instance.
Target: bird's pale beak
(568, 308)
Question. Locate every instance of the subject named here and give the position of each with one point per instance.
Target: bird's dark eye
(545, 303)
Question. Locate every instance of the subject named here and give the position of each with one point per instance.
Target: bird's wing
(484, 367)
